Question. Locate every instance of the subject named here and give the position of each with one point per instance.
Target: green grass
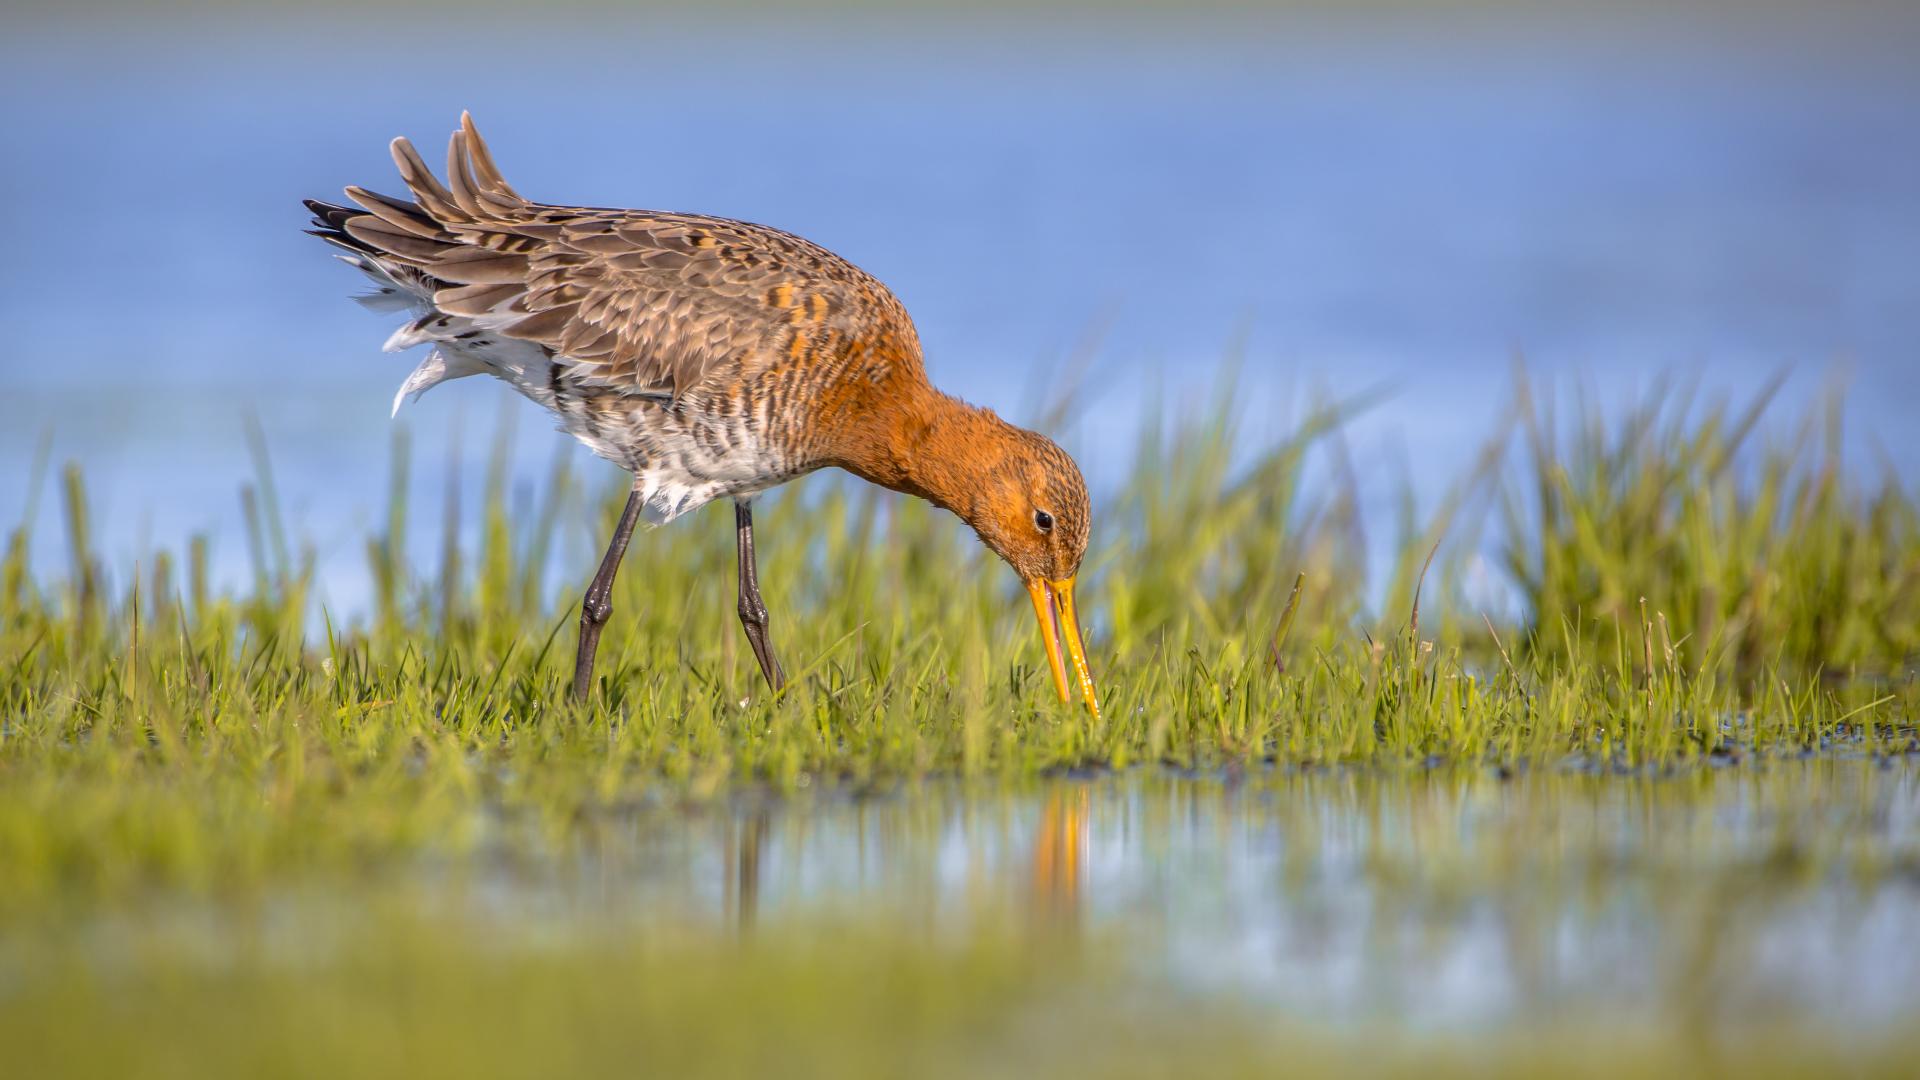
(1694, 594)
(1689, 592)
(242, 836)
(1684, 586)
(1749, 558)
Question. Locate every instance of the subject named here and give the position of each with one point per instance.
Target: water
(1349, 202)
(1453, 901)
(1449, 900)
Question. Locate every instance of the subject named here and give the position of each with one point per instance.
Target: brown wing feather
(635, 300)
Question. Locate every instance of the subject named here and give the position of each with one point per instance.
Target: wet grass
(1687, 585)
(1684, 590)
(1687, 592)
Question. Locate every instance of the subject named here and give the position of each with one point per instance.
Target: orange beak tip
(1053, 606)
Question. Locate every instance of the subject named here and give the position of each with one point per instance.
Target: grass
(1684, 590)
(1749, 559)
(1693, 596)
(1687, 592)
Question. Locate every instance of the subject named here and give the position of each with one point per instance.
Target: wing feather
(639, 301)
(399, 213)
(469, 265)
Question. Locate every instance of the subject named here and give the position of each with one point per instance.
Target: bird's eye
(1043, 521)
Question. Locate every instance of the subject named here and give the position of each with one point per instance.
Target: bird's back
(695, 351)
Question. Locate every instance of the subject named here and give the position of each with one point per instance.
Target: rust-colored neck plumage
(1019, 492)
(1025, 498)
(925, 443)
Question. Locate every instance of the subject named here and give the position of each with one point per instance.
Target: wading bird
(710, 358)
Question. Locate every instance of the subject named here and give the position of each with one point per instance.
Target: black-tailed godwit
(711, 358)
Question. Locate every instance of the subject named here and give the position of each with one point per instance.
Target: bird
(711, 359)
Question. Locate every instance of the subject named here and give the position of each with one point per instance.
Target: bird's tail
(418, 253)
(401, 243)
(396, 286)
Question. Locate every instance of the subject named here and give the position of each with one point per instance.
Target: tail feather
(398, 213)
(399, 245)
(442, 219)
(435, 199)
(460, 176)
(326, 215)
(389, 292)
(329, 224)
(484, 170)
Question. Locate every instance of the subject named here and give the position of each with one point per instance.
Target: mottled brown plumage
(634, 300)
(708, 356)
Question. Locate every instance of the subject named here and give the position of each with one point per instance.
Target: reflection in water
(746, 837)
(1060, 854)
(1448, 897)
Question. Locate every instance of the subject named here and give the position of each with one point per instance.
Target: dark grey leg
(599, 600)
(753, 613)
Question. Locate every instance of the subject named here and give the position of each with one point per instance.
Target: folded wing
(639, 301)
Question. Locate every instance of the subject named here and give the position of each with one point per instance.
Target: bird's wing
(633, 300)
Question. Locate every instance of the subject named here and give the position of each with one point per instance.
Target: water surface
(1453, 899)
(1343, 202)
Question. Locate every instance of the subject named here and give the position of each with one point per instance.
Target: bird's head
(1032, 510)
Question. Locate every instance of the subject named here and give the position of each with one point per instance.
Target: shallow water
(1445, 900)
(1773, 896)
(1353, 202)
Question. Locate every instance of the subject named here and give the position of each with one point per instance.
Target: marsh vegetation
(1556, 815)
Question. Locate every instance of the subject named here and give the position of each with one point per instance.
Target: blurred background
(1148, 198)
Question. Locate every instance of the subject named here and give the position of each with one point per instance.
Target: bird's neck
(931, 445)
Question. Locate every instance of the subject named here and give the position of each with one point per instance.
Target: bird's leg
(753, 612)
(599, 600)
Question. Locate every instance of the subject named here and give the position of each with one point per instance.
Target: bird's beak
(1053, 606)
